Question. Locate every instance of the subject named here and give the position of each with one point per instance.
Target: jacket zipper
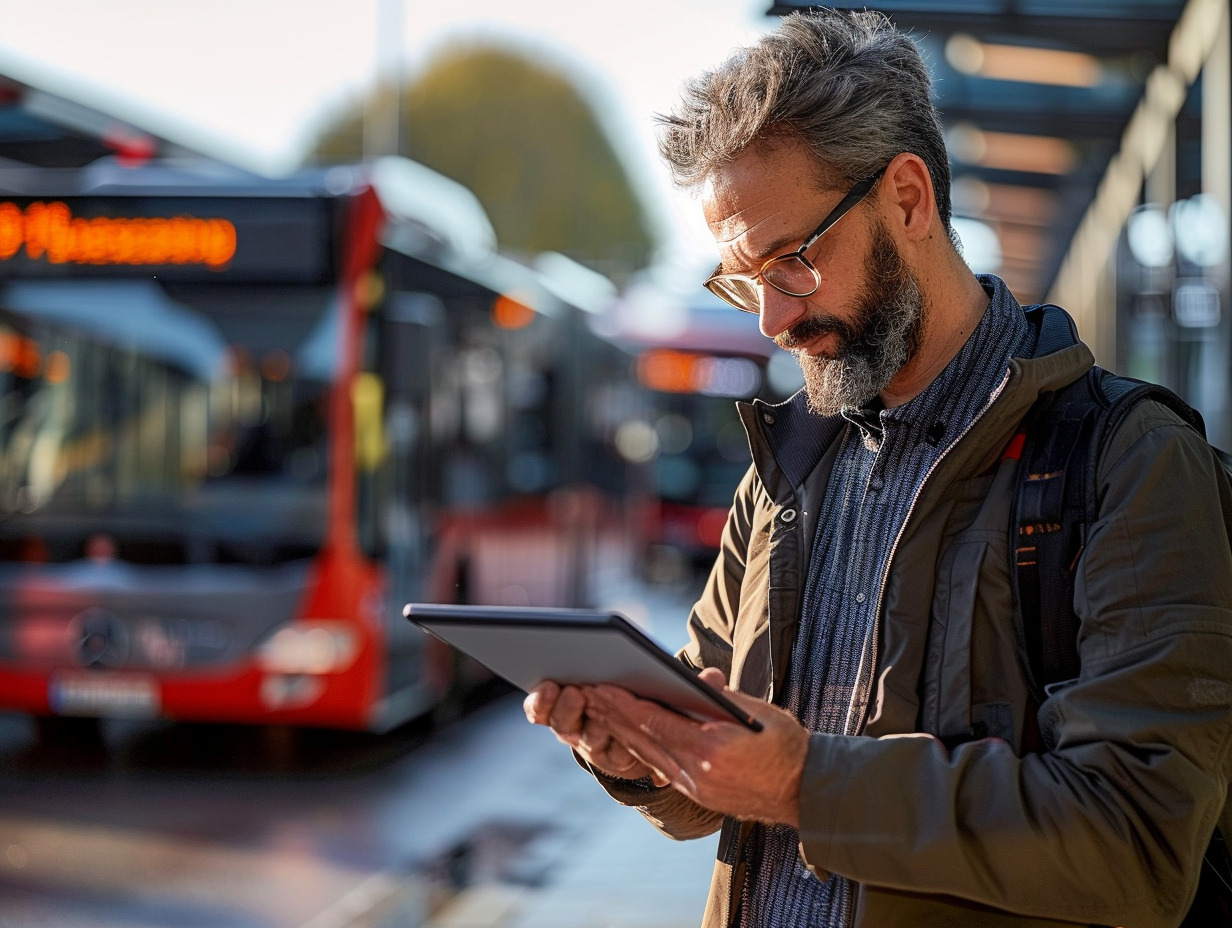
(861, 692)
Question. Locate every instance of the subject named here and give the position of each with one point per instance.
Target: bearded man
(861, 606)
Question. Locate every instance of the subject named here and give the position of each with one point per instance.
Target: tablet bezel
(439, 620)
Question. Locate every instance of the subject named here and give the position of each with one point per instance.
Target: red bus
(242, 421)
(697, 356)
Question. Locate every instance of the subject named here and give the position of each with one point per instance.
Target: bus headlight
(309, 648)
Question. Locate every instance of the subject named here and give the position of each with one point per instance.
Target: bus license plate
(103, 694)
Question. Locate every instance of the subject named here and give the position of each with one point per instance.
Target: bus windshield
(160, 422)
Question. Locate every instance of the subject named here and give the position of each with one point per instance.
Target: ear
(907, 193)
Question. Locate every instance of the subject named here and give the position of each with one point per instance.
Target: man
(861, 604)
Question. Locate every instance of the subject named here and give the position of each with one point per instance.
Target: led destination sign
(233, 239)
(51, 232)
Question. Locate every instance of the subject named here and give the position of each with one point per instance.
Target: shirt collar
(959, 391)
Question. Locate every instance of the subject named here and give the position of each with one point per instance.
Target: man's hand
(563, 709)
(720, 765)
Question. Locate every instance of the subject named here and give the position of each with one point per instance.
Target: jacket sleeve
(710, 626)
(1108, 824)
(712, 621)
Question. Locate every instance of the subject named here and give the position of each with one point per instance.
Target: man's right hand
(563, 709)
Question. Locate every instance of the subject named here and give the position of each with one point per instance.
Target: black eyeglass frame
(857, 193)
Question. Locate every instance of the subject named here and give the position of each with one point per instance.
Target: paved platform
(601, 865)
(621, 874)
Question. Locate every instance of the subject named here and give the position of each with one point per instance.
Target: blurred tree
(523, 139)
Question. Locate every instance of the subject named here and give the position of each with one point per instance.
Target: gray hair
(851, 86)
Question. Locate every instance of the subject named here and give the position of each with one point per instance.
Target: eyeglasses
(793, 273)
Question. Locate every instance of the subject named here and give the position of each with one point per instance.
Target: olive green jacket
(1093, 808)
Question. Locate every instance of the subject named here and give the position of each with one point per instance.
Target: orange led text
(50, 231)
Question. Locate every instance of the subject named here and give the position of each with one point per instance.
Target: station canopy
(1035, 96)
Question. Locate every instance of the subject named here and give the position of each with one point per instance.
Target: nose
(779, 312)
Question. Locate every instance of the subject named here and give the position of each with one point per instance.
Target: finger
(754, 706)
(595, 739)
(643, 728)
(539, 702)
(627, 732)
(664, 726)
(617, 761)
(673, 744)
(599, 747)
(714, 677)
(567, 717)
(670, 773)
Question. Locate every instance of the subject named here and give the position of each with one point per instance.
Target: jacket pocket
(946, 694)
(974, 685)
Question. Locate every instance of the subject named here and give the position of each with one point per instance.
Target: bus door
(397, 502)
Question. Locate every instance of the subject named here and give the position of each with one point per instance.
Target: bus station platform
(619, 873)
(557, 851)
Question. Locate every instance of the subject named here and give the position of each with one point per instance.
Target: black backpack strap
(1061, 442)
(1059, 448)
(1047, 530)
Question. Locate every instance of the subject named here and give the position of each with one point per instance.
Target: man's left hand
(720, 765)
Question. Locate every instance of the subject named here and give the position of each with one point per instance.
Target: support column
(1217, 183)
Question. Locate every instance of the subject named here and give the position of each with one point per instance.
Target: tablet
(527, 645)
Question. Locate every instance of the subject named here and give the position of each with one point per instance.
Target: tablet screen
(529, 645)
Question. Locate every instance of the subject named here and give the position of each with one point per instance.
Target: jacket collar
(787, 440)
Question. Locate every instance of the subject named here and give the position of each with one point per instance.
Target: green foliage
(529, 147)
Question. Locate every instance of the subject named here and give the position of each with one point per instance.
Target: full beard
(873, 345)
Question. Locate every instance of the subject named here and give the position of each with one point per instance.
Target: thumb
(755, 706)
(713, 676)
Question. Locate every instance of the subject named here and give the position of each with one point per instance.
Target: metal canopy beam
(1128, 38)
(1116, 32)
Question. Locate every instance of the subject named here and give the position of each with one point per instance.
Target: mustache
(814, 327)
